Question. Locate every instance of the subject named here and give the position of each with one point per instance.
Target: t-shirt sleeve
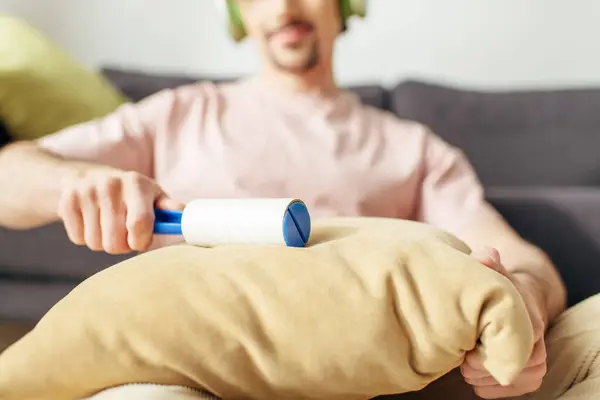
(452, 196)
(124, 139)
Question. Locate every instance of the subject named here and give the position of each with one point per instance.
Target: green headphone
(348, 8)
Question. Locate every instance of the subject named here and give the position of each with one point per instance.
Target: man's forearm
(533, 268)
(525, 262)
(31, 181)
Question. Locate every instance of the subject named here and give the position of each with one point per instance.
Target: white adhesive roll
(271, 221)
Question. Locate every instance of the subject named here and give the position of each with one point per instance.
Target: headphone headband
(235, 25)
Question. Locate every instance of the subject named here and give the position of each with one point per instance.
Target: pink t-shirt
(341, 157)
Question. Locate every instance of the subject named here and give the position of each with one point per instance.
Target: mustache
(291, 24)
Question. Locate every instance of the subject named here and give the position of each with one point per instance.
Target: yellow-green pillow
(43, 90)
(370, 307)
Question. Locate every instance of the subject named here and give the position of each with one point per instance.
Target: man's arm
(86, 169)
(452, 198)
(522, 260)
(33, 174)
(31, 180)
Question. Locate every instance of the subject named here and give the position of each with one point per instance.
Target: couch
(537, 153)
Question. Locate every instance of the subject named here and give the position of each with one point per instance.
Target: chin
(299, 63)
(302, 58)
(297, 67)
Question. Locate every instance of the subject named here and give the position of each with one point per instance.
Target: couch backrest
(539, 138)
(138, 85)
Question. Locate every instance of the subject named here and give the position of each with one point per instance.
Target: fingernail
(495, 254)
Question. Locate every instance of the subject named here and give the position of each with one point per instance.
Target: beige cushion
(371, 307)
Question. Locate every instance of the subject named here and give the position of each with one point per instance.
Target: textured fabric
(372, 306)
(513, 137)
(42, 90)
(574, 354)
(245, 139)
(573, 373)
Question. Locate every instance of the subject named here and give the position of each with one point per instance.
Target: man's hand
(111, 210)
(530, 379)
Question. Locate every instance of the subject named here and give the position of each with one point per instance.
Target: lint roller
(212, 222)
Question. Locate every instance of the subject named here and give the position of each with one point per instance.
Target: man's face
(293, 34)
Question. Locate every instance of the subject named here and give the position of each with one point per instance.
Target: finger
(476, 371)
(528, 374)
(167, 203)
(487, 254)
(539, 327)
(112, 219)
(91, 219)
(469, 372)
(70, 213)
(490, 257)
(538, 355)
(499, 392)
(473, 362)
(139, 218)
(473, 368)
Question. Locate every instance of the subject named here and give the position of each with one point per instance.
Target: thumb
(164, 202)
(489, 257)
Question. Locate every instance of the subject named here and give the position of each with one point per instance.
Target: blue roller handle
(167, 222)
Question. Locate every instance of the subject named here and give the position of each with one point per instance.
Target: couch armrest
(565, 223)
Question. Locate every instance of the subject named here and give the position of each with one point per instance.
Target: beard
(296, 63)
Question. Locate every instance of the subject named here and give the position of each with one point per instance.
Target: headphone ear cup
(344, 11)
(230, 12)
(349, 8)
(344, 14)
(358, 8)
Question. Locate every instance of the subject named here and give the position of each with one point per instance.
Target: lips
(293, 32)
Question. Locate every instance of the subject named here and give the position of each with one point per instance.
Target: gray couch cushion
(138, 85)
(28, 301)
(46, 252)
(513, 138)
(565, 222)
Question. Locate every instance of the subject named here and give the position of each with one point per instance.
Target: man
(288, 132)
